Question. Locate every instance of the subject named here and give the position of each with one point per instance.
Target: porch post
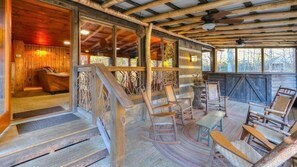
(75, 56)
(148, 61)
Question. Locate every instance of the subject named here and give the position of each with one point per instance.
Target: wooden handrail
(113, 68)
(112, 85)
(109, 82)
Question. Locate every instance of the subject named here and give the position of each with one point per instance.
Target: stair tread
(68, 155)
(35, 138)
(102, 163)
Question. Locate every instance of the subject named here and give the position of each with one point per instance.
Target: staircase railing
(99, 93)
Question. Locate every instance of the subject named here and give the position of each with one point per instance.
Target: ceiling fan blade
(220, 15)
(230, 21)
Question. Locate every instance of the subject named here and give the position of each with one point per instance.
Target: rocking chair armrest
(268, 111)
(266, 117)
(221, 140)
(163, 106)
(271, 128)
(185, 98)
(258, 135)
(164, 114)
(257, 105)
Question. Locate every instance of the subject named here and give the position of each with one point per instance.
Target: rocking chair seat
(164, 114)
(271, 135)
(246, 149)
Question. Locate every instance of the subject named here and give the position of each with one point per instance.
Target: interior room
(41, 59)
(148, 83)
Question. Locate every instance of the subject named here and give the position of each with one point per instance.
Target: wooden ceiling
(40, 24)
(99, 40)
(266, 22)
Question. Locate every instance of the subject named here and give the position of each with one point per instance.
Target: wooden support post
(162, 51)
(236, 60)
(75, 58)
(118, 121)
(19, 54)
(215, 63)
(148, 61)
(262, 60)
(114, 46)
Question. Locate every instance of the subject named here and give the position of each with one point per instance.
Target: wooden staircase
(75, 143)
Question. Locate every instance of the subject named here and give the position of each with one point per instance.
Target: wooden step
(81, 154)
(34, 144)
(102, 163)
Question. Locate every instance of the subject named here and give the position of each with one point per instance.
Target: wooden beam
(246, 10)
(247, 25)
(92, 34)
(275, 15)
(148, 61)
(192, 19)
(193, 9)
(263, 7)
(256, 38)
(109, 3)
(255, 30)
(256, 45)
(114, 46)
(111, 12)
(244, 35)
(146, 6)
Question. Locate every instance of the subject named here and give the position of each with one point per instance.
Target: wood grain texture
(37, 56)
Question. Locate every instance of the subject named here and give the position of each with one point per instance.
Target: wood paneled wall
(188, 68)
(36, 57)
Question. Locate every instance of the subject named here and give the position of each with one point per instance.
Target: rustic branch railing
(132, 79)
(100, 94)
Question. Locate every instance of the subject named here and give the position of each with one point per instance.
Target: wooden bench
(208, 123)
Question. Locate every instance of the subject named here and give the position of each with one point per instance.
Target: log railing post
(117, 134)
(148, 61)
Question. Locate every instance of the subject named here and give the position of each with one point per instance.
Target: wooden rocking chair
(273, 135)
(279, 108)
(240, 154)
(157, 127)
(214, 98)
(183, 105)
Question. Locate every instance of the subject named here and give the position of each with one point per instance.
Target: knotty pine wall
(27, 59)
(37, 57)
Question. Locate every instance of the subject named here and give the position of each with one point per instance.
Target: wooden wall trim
(190, 50)
(6, 40)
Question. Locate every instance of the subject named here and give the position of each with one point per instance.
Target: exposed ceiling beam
(193, 19)
(244, 35)
(146, 6)
(92, 34)
(257, 45)
(193, 9)
(109, 3)
(247, 26)
(275, 15)
(263, 7)
(254, 38)
(255, 30)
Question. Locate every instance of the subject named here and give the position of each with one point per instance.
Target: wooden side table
(197, 96)
(208, 123)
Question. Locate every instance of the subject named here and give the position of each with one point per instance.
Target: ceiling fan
(210, 20)
(240, 42)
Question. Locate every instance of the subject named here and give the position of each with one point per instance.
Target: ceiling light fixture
(208, 26)
(66, 42)
(87, 51)
(118, 48)
(84, 32)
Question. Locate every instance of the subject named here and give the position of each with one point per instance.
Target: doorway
(41, 59)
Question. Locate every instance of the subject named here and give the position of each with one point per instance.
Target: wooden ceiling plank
(109, 3)
(146, 6)
(258, 38)
(193, 9)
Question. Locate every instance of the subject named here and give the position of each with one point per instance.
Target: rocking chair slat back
(213, 92)
(170, 93)
(282, 103)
